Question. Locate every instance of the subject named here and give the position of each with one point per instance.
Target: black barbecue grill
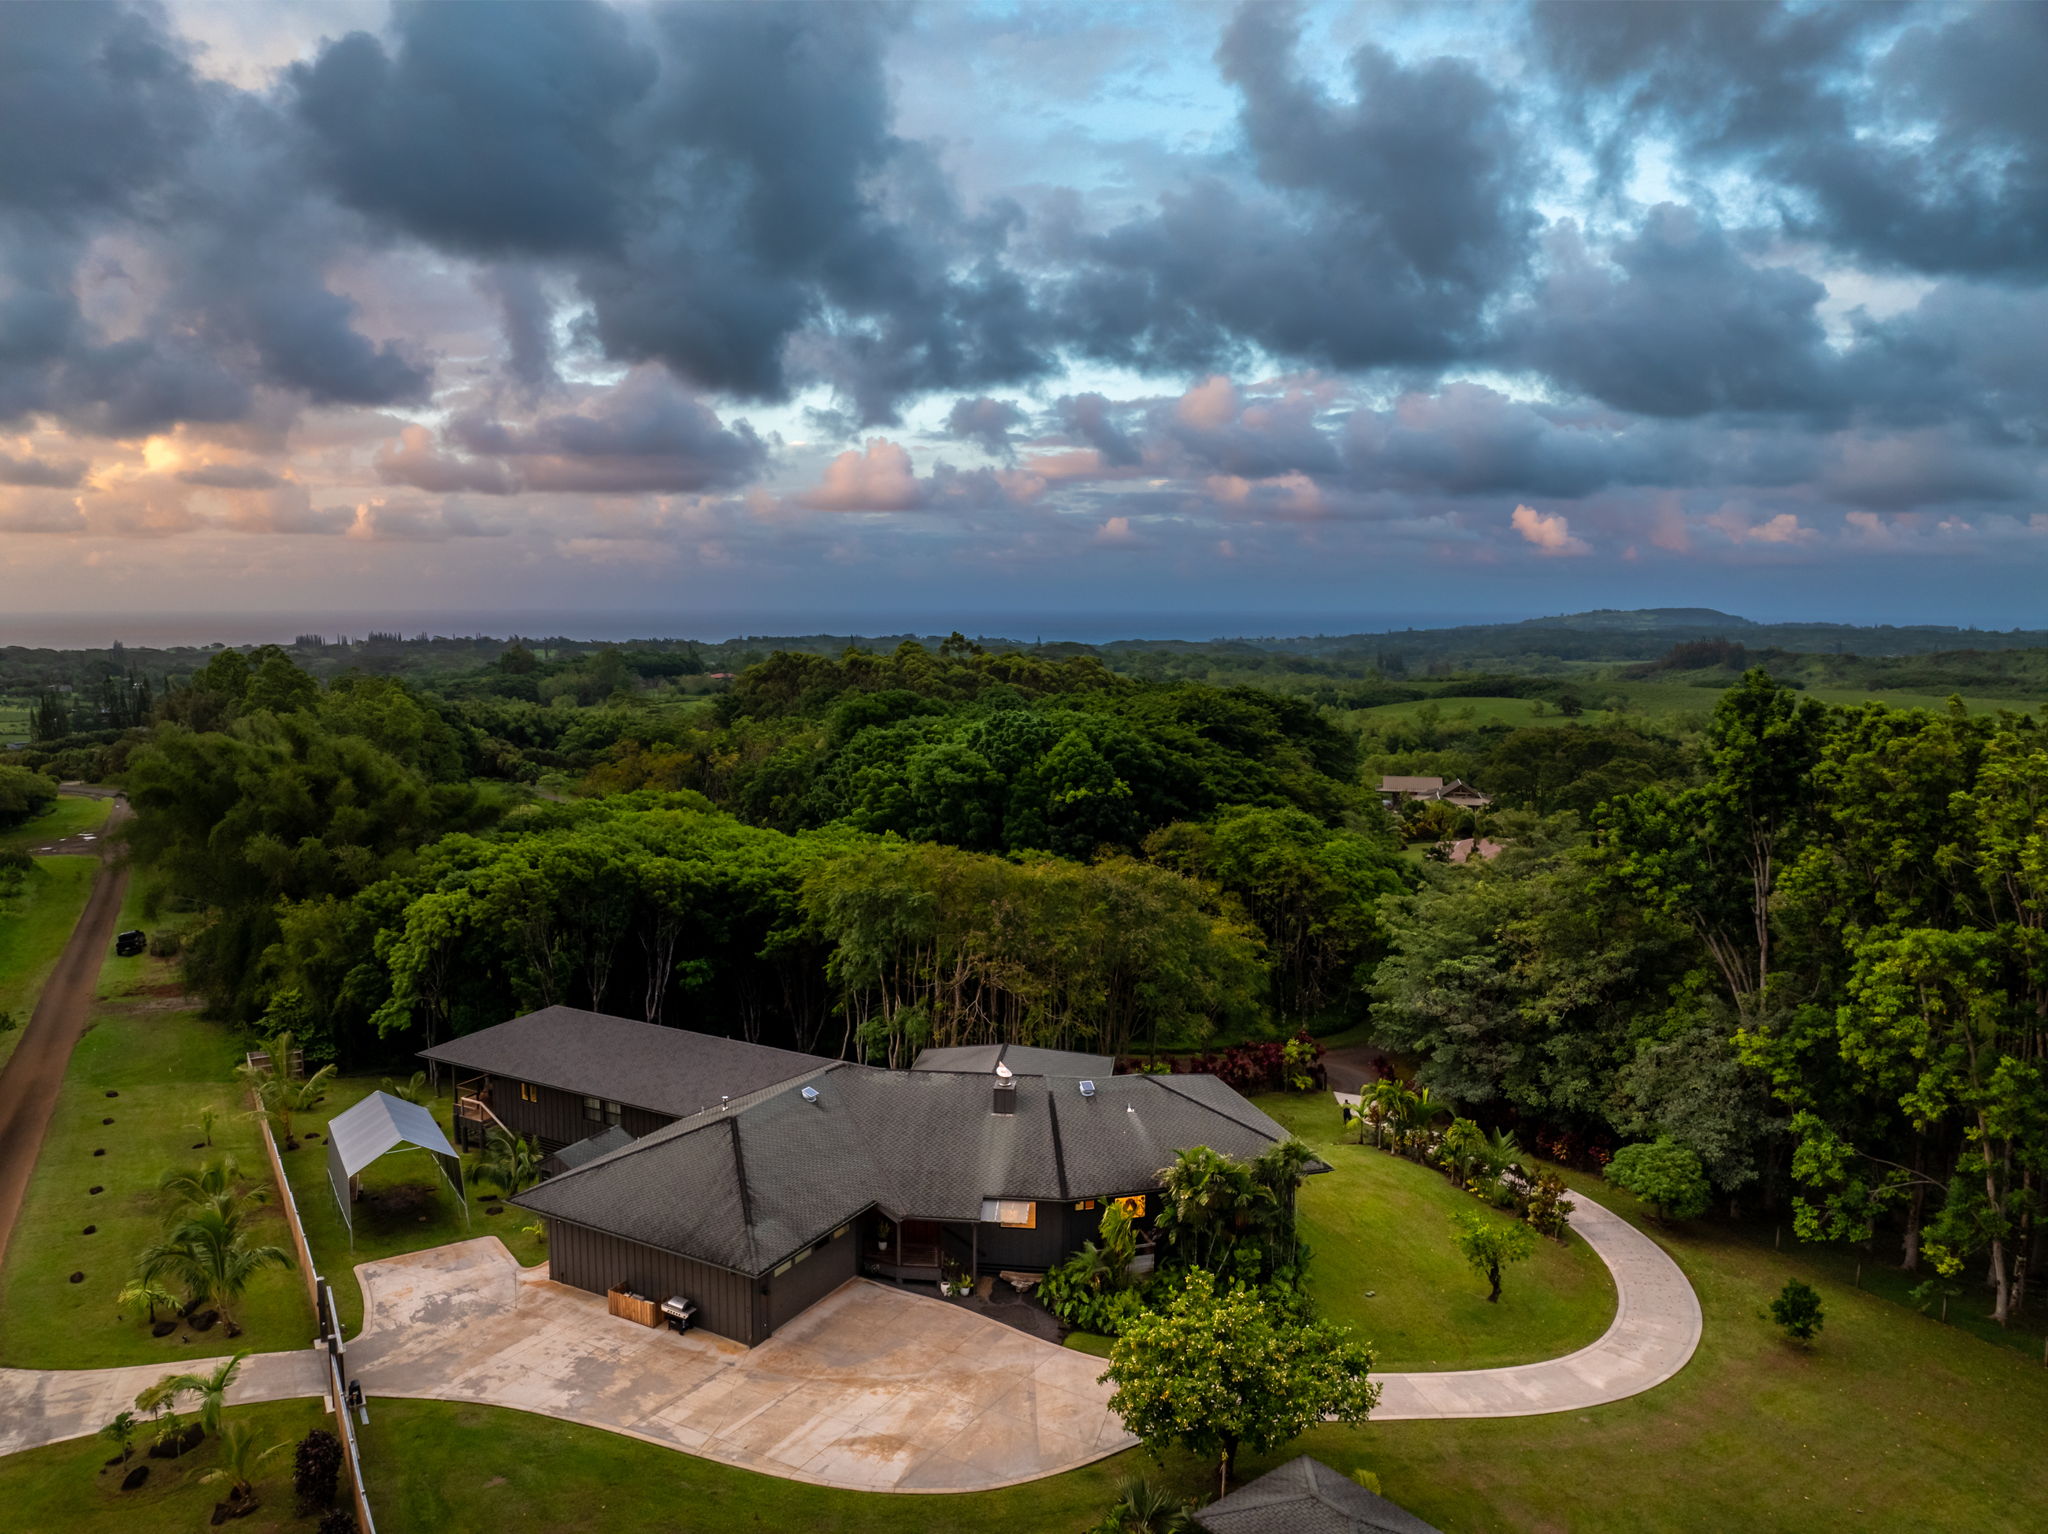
(679, 1313)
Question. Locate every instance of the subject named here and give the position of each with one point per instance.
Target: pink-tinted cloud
(1551, 534)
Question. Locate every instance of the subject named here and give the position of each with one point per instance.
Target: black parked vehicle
(128, 944)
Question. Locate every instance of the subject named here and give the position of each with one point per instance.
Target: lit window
(1086, 1203)
(1134, 1206)
(528, 1093)
(1019, 1213)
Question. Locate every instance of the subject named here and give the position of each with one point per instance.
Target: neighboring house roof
(746, 1187)
(1488, 850)
(1022, 1059)
(1460, 792)
(666, 1070)
(1411, 785)
(1305, 1496)
(603, 1143)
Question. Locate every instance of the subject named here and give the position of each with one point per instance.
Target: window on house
(1086, 1203)
(1019, 1213)
(593, 1110)
(1134, 1206)
(612, 1113)
(528, 1092)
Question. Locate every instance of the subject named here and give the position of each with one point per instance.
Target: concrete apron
(870, 1389)
(39, 1406)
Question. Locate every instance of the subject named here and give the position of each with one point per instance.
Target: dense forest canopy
(1806, 944)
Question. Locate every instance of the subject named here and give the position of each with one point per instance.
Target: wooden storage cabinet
(633, 1307)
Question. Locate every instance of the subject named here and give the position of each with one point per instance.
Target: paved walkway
(871, 1388)
(1656, 1327)
(39, 1406)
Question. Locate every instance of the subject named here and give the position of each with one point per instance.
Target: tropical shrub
(1664, 1175)
(1798, 1311)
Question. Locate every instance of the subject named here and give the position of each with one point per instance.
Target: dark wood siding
(809, 1281)
(726, 1301)
(557, 1119)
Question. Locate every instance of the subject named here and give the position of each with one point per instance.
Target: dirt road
(28, 1085)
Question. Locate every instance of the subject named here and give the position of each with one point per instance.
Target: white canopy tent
(377, 1126)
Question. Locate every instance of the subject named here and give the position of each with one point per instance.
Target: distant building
(1302, 1495)
(1462, 851)
(1395, 791)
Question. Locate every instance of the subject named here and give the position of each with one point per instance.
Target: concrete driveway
(871, 1389)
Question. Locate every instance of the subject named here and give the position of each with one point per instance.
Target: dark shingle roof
(1305, 1496)
(665, 1070)
(603, 1143)
(746, 1187)
(1022, 1059)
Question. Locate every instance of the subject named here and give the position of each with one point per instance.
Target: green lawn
(68, 1486)
(435, 1466)
(1378, 1223)
(34, 927)
(166, 1063)
(406, 1206)
(67, 817)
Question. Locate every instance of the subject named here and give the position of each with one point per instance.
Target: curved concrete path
(39, 1406)
(1656, 1327)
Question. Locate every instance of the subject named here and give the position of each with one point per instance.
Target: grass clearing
(405, 1208)
(35, 924)
(1379, 1223)
(166, 1063)
(69, 816)
(68, 1486)
(433, 1465)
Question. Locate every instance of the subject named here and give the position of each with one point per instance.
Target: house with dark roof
(1305, 1496)
(561, 1075)
(1017, 1059)
(766, 1195)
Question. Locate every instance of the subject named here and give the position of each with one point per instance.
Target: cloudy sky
(928, 312)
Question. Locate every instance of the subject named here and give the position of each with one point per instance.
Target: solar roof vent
(1003, 1072)
(1087, 1089)
(810, 1094)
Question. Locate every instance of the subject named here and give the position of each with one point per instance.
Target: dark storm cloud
(96, 106)
(1368, 231)
(63, 474)
(1092, 418)
(528, 320)
(1673, 321)
(1922, 145)
(489, 129)
(986, 422)
(103, 128)
(646, 435)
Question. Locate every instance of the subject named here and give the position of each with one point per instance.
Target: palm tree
(1141, 1508)
(283, 1097)
(1385, 1101)
(412, 1091)
(146, 1292)
(509, 1163)
(212, 1390)
(239, 1458)
(217, 1183)
(208, 1117)
(1501, 1151)
(121, 1433)
(213, 1255)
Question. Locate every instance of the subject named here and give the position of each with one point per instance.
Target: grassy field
(1663, 702)
(68, 1486)
(1382, 1224)
(435, 1466)
(165, 1063)
(406, 1206)
(34, 927)
(67, 817)
(14, 717)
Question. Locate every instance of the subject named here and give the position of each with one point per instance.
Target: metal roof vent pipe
(1005, 1097)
